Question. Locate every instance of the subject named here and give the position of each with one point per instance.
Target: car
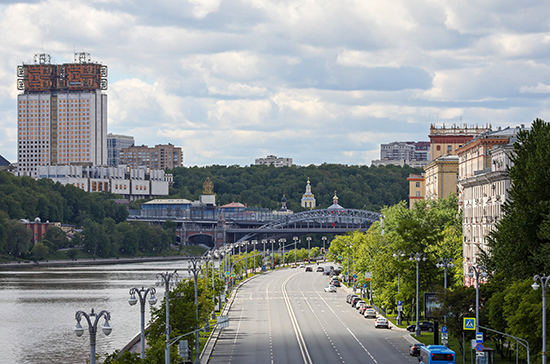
(360, 304)
(362, 309)
(355, 300)
(414, 349)
(381, 322)
(330, 288)
(350, 297)
(293, 266)
(320, 269)
(302, 265)
(424, 326)
(309, 269)
(370, 312)
(335, 282)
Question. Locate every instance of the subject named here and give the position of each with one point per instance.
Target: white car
(330, 288)
(302, 266)
(370, 312)
(381, 322)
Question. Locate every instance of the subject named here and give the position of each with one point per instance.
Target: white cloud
(540, 88)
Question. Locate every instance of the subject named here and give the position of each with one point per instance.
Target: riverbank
(82, 262)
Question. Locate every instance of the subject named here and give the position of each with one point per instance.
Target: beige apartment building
(483, 185)
(162, 156)
(441, 175)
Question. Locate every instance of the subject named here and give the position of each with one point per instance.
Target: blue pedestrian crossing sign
(469, 323)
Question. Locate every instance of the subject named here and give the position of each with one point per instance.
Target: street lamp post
(544, 282)
(295, 241)
(245, 244)
(283, 241)
(254, 263)
(399, 254)
(167, 279)
(92, 327)
(142, 294)
(308, 249)
(417, 257)
(324, 238)
(445, 263)
(264, 241)
(477, 270)
(195, 267)
(272, 241)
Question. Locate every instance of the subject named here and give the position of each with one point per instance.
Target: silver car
(330, 288)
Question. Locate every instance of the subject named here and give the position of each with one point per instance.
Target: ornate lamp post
(92, 327)
(142, 294)
(167, 279)
(417, 257)
(544, 282)
(445, 263)
(195, 267)
(477, 270)
(282, 241)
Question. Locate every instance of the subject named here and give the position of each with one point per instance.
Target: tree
(520, 244)
(57, 237)
(19, 239)
(39, 251)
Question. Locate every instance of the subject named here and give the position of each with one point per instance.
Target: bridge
(217, 230)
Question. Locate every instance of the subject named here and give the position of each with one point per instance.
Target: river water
(38, 306)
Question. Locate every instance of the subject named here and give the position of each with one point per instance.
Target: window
(417, 184)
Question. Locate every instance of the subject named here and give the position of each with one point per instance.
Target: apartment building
(161, 156)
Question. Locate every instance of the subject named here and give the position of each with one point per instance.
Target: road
(285, 316)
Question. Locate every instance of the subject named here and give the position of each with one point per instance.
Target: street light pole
(544, 282)
(417, 257)
(477, 270)
(283, 241)
(295, 240)
(445, 263)
(272, 254)
(92, 327)
(399, 254)
(167, 279)
(142, 294)
(308, 249)
(324, 238)
(195, 267)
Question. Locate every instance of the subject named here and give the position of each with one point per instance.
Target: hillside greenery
(357, 187)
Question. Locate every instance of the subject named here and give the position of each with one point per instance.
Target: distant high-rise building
(115, 143)
(62, 114)
(414, 154)
(162, 156)
(274, 160)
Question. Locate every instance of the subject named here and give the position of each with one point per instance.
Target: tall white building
(62, 114)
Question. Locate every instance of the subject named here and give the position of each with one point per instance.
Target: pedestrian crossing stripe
(469, 323)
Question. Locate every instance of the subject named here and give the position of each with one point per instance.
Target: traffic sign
(479, 337)
(479, 347)
(364, 285)
(227, 274)
(469, 323)
(355, 276)
(444, 330)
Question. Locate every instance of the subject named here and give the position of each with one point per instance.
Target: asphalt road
(286, 317)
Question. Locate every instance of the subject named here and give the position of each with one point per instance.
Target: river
(38, 306)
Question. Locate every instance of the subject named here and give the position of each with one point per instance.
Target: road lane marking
(301, 342)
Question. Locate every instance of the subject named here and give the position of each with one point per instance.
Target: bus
(436, 354)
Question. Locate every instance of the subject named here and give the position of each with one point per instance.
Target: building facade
(274, 160)
(161, 156)
(62, 114)
(115, 143)
(483, 189)
(308, 199)
(417, 188)
(441, 176)
(414, 154)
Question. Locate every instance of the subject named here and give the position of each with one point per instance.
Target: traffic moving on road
(286, 316)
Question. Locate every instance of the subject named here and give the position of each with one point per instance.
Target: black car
(309, 269)
(424, 326)
(415, 349)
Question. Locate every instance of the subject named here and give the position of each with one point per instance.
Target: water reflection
(38, 305)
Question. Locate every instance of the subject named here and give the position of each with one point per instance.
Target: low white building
(131, 183)
(274, 160)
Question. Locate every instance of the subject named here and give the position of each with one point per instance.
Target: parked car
(360, 304)
(414, 349)
(381, 322)
(362, 309)
(424, 326)
(370, 312)
(354, 301)
(309, 269)
(349, 297)
(320, 269)
(330, 288)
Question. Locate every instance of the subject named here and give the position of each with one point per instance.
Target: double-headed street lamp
(445, 263)
(272, 241)
(92, 327)
(167, 279)
(282, 241)
(295, 241)
(142, 294)
(477, 270)
(417, 257)
(399, 254)
(324, 238)
(195, 267)
(544, 283)
(308, 249)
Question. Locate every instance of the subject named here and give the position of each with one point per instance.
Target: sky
(319, 81)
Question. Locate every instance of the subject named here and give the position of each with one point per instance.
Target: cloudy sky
(320, 81)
